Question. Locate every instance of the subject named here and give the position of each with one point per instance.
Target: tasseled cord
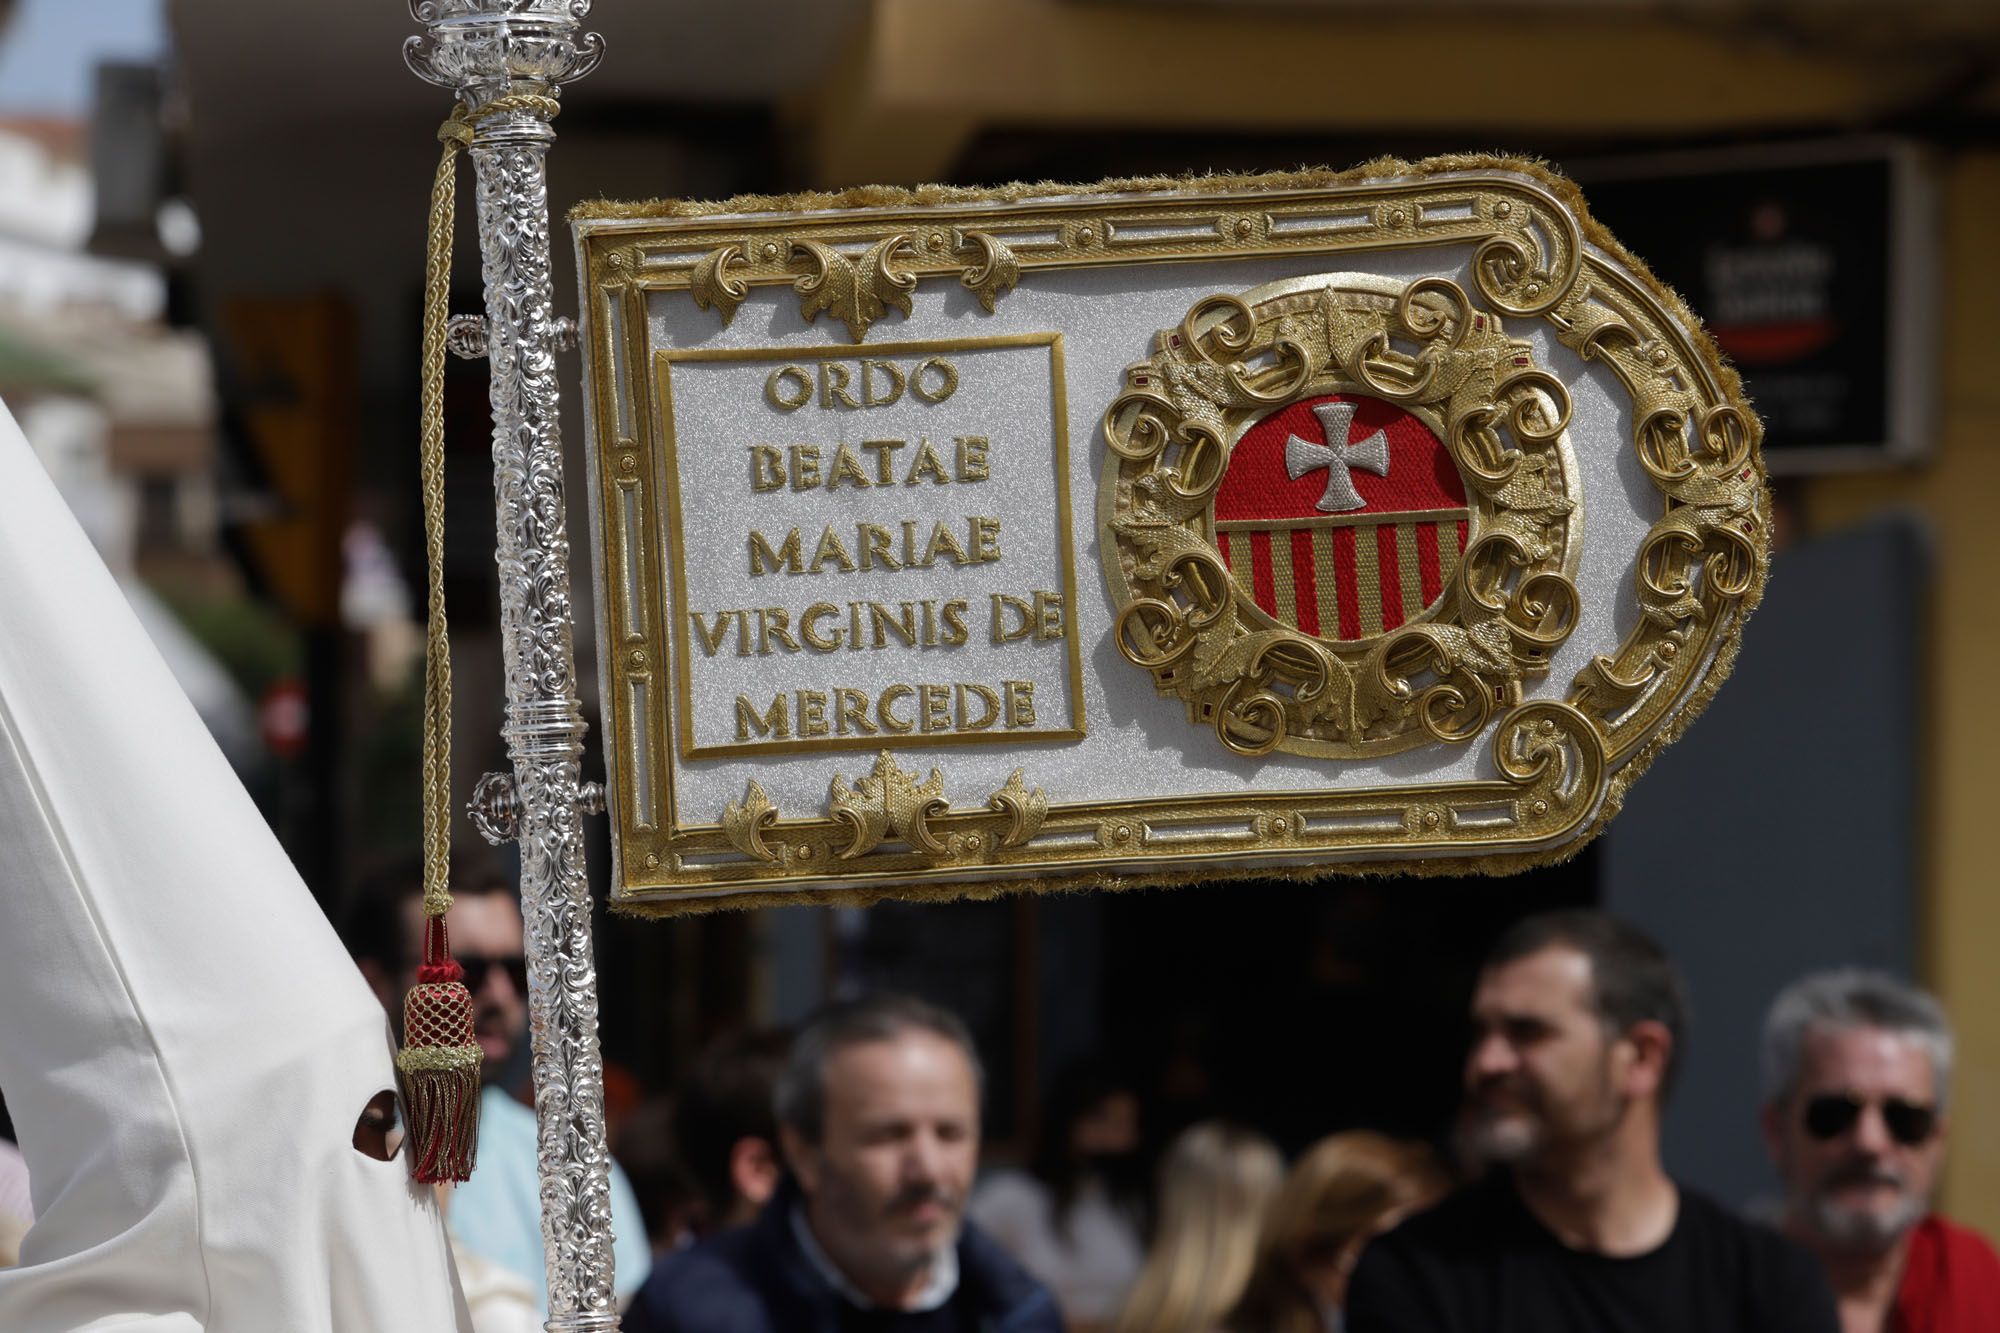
(438, 1065)
(440, 1058)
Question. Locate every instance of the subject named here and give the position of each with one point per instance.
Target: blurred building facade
(118, 404)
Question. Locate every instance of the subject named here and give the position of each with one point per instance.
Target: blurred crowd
(829, 1179)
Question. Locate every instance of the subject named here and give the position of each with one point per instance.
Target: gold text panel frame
(677, 606)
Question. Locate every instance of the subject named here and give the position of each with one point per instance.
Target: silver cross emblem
(1338, 457)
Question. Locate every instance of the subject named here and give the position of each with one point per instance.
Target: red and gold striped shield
(1341, 516)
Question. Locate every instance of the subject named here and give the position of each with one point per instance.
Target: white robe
(184, 1045)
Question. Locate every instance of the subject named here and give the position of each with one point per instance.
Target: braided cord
(455, 134)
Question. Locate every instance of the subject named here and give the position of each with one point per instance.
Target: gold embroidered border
(1553, 783)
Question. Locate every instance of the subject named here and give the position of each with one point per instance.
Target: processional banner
(957, 540)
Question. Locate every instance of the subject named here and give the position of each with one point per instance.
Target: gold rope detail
(412, 1058)
(455, 133)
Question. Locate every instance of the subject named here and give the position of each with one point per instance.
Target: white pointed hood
(184, 1045)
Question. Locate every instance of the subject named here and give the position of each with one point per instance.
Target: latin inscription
(874, 524)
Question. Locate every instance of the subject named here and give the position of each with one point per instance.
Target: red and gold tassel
(439, 1064)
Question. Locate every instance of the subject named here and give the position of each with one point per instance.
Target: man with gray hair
(1856, 1069)
(878, 1118)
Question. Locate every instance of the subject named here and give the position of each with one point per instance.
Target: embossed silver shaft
(522, 51)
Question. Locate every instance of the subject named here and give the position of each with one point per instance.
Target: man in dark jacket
(878, 1117)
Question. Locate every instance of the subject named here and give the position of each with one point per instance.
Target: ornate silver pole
(522, 51)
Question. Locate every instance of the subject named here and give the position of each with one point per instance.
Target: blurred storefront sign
(1811, 264)
(291, 363)
(911, 578)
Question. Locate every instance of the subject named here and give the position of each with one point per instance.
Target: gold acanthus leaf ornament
(745, 823)
(996, 272)
(857, 290)
(712, 286)
(856, 293)
(888, 800)
(1025, 810)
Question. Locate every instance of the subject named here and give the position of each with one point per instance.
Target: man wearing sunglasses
(497, 1214)
(1856, 1067)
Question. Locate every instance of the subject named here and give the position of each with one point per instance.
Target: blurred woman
(1216, 1185)
(1073, 1219)
(1345, 1189)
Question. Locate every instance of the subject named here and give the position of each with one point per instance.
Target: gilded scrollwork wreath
(1425, 349)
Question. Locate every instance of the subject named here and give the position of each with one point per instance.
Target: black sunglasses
(1831, 1115)
(476, 967)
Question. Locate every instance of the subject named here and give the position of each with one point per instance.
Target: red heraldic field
(1341, 516)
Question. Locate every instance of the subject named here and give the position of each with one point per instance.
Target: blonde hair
(1215, 1186)
(1340, 1193)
